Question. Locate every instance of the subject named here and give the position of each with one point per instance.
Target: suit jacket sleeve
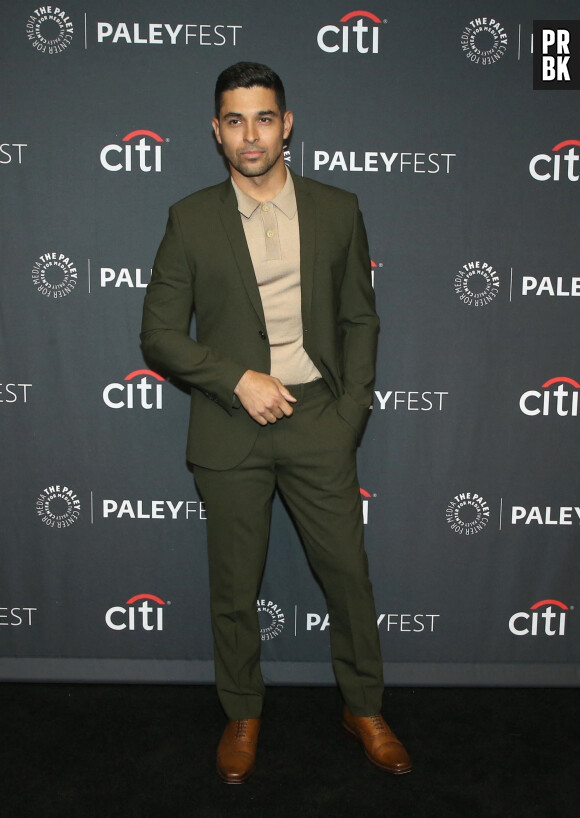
(359, 325)
(167, 312)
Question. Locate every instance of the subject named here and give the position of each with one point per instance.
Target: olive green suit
(203, 265)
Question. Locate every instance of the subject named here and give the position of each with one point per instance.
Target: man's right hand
(264, 398)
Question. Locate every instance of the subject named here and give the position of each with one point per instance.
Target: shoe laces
(378, 722)
(241, 728)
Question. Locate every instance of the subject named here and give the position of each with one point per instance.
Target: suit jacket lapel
(307, 222)
(232, 223)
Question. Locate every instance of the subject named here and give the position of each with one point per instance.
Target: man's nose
(251, 133)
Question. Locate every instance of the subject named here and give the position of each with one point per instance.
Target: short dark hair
(247, 75)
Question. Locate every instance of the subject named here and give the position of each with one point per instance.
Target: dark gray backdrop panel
(471, 505)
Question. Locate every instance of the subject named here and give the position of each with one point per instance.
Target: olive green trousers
(310, 458)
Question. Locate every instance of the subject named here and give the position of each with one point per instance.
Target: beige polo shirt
(273, 237)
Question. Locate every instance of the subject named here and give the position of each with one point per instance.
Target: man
(276, 268)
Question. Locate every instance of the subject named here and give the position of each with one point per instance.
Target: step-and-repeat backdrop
(468, 181)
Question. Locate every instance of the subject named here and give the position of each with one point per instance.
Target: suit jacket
(203, 266)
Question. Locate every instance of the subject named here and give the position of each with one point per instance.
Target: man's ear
(215, 123)
(288, 122)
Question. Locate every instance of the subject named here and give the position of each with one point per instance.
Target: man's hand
(264, 398)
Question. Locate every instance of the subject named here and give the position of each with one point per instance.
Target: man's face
(251, 130)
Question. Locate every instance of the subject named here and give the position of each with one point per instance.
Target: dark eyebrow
(241, 116)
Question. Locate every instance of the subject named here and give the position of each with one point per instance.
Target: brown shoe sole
(240, 780)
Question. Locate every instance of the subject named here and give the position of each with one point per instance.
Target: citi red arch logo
(560, 400)
(350, 36)
(548, 622)
(144, 154)
(551, 165)
(365, 497)
(142, 393)
(119, 618)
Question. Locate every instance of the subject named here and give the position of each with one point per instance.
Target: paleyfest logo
(49, 29)
(484, 41)
(140, 34)
(362, 35)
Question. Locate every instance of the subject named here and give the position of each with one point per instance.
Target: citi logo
(140, 154)
(365, 497)
(544, 166)
(141, 393)
(549, 622)
(560, 399)
(351, 35)
(145, 616)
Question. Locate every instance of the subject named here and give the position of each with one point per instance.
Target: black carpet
(143, 751)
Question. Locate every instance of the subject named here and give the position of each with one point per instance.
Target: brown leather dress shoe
(237, 750)
(381, 745)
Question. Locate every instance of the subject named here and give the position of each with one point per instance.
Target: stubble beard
(256, 167)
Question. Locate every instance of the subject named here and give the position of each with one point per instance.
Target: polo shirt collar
(285, 201)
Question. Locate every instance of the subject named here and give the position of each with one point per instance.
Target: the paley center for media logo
(271, 619)
(484, 41)
(49, 29)
(58, 506)
(54, 275)
(476, 283)
(467, 513)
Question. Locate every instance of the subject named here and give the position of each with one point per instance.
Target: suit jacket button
(262, 334)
